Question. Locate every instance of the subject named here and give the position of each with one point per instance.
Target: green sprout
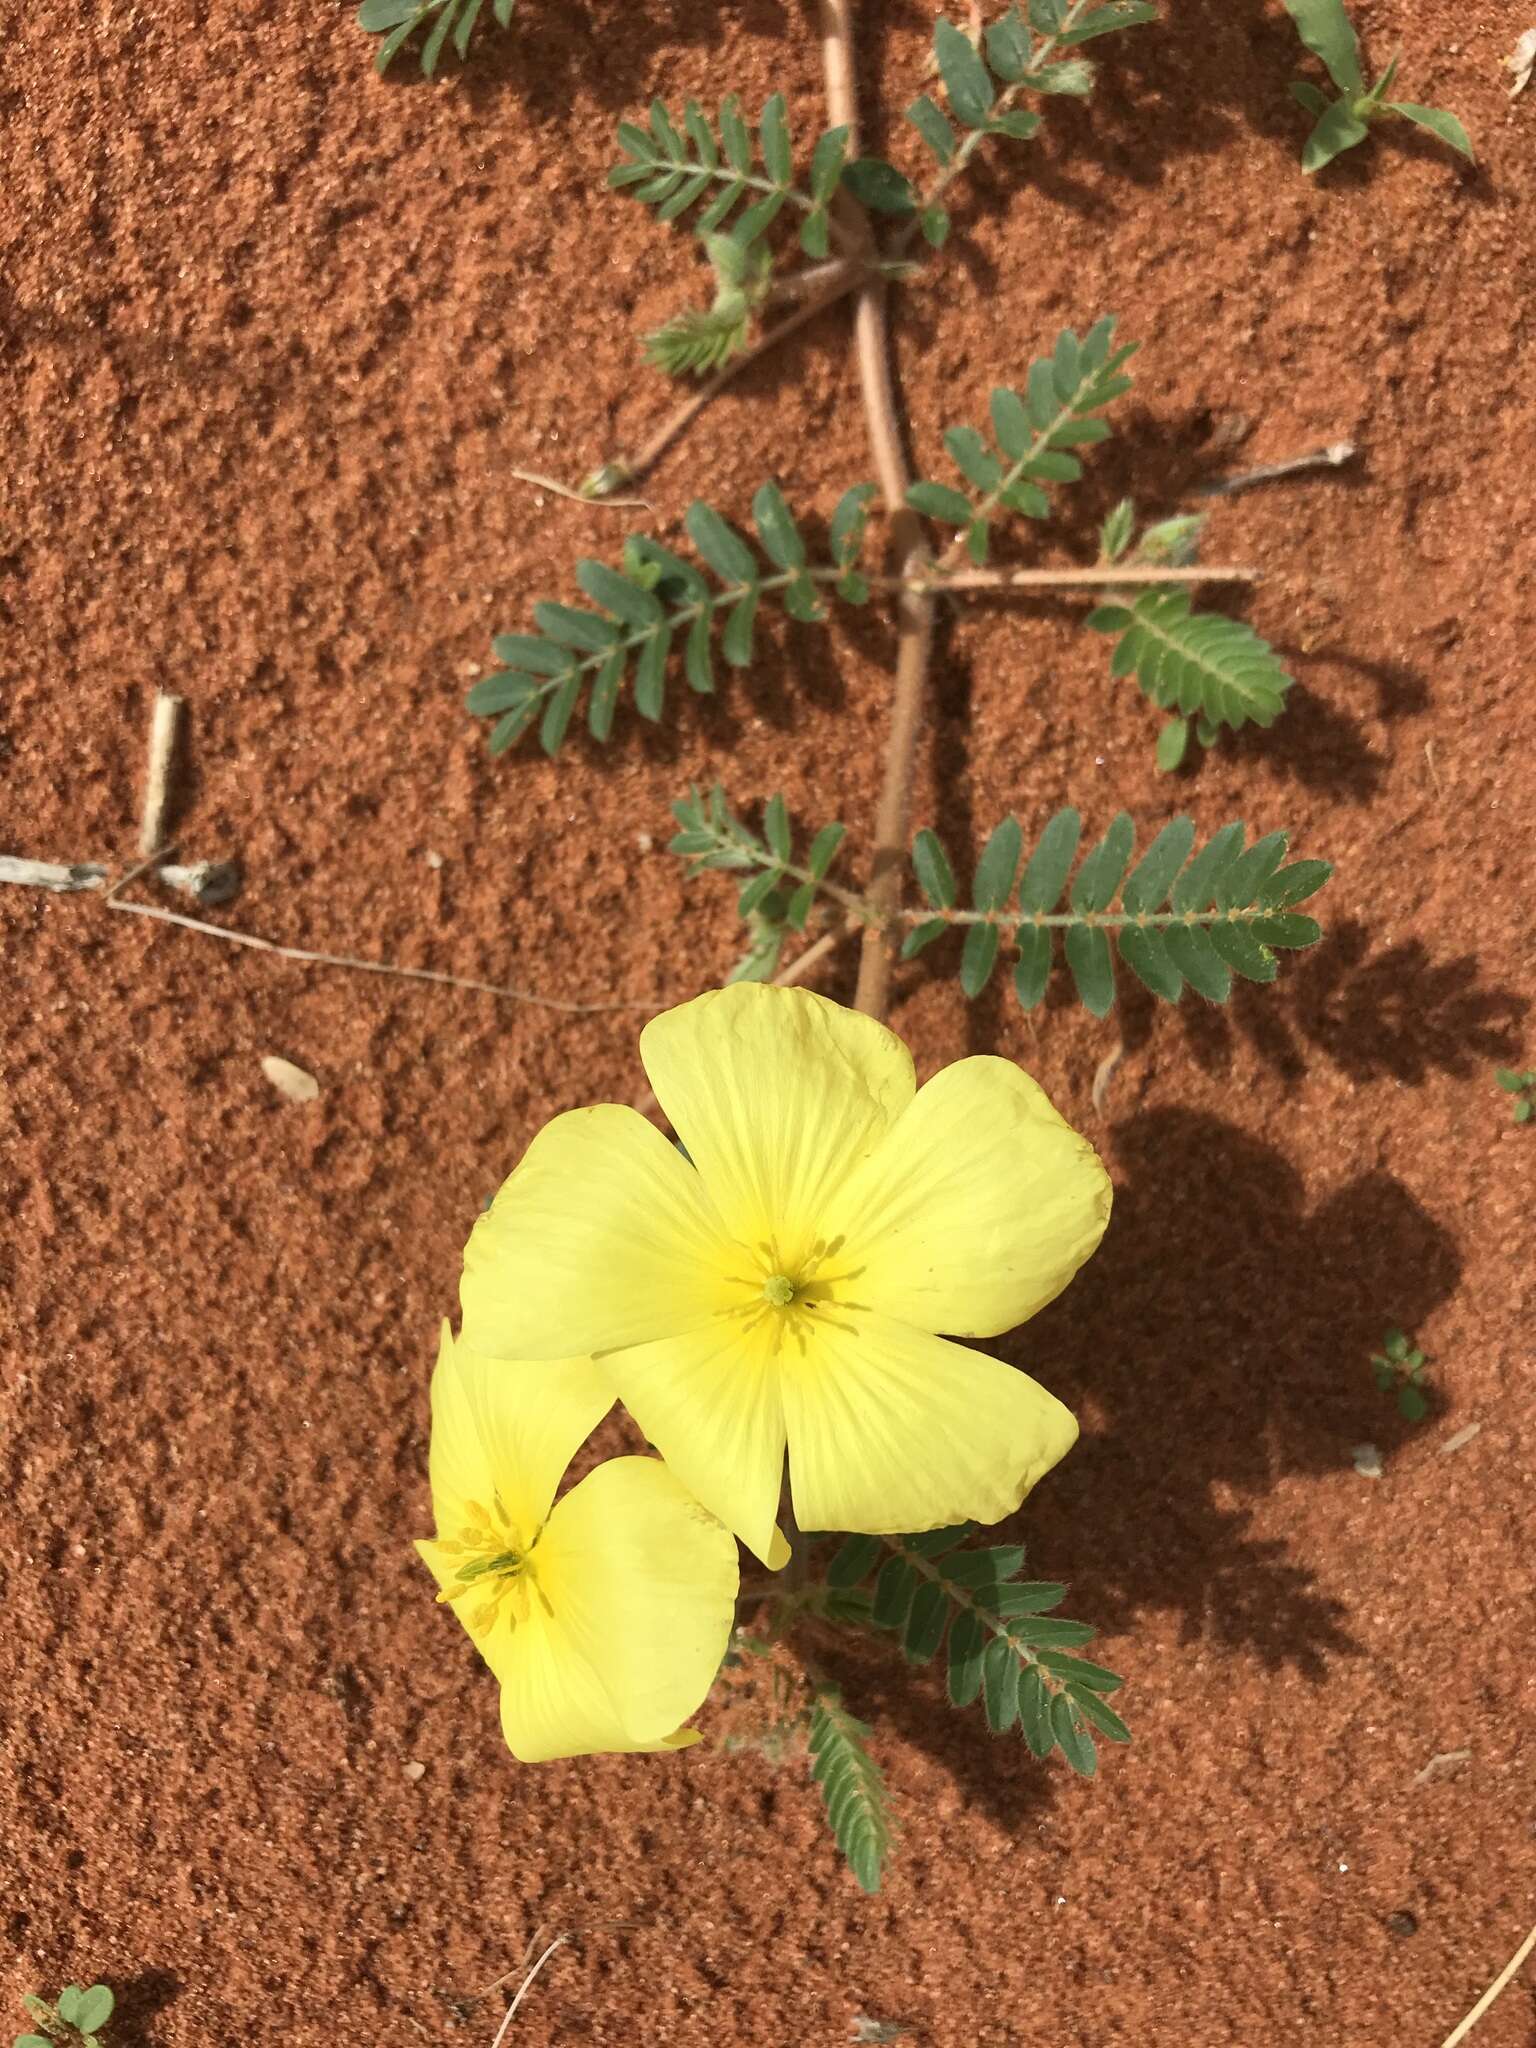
(76, 2017)
(1523, 1087)
(1328, 33)
(1399, 1367)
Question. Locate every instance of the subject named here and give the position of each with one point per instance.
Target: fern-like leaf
(1003, 1643)
(1035, 433)
(781, 891)
(1176, 917)
(1198, 664)
(655, 604)
(398, 20)
(852, 1788)
(676, 167)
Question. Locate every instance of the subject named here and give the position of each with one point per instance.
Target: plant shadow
(1399, 1016)
(140, 2000)
(998, 1775)
(1221, 1339)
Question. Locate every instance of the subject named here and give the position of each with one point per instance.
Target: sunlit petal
(554, 1704)
(777, 1095)
(642, 1585)
(710, 1404)
(603, 1235)
(893, 1430)
(976, 1210)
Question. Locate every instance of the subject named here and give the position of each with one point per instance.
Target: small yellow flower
(786, 1287)
(604, 1614)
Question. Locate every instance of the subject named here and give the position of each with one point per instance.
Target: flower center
(778, 1290)
(492, 1560)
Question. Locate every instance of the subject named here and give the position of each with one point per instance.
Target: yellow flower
(604, 1616)
(787, 1285)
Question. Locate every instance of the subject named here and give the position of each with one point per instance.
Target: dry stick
(559, 1941)
(164, 725)
(1498, 1984)
(560, 490)
(1101, 576)
(114, 901)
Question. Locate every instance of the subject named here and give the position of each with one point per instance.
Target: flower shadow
(1219, 1343)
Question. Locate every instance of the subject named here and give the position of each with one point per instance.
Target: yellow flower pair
(778, 1284)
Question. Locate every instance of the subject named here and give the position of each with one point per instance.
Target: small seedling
(76, 2017)
(1329, 33)
(1399, 1366)
(1523, 1087)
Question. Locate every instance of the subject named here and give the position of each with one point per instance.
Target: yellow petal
(554, 1704)
(601, 1236)
(642, 1583)
(777, 1095)
(710, 1404)
(507, 1431)
(892, 1430)
(977, 1209)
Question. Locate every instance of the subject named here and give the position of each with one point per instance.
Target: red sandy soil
(272, 333)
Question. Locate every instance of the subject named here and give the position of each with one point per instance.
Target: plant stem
(914, 609)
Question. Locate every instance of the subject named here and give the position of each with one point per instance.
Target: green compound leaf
(398, 20)
(656, 605)
(714, 836)
(676, 169)
(852, 1789)
(1034, 433)
(1179, 917)
(1194, 663)
(1000, 1647)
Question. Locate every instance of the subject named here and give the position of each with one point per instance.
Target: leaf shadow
(995, 1773)
(1399, 1016)
(1221, 1339)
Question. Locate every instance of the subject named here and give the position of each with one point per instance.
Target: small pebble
(1402, 1924)
(1367, 1461)
(433, 860)
(413, 1773)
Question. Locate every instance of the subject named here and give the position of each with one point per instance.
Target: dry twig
(1460, 2033)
